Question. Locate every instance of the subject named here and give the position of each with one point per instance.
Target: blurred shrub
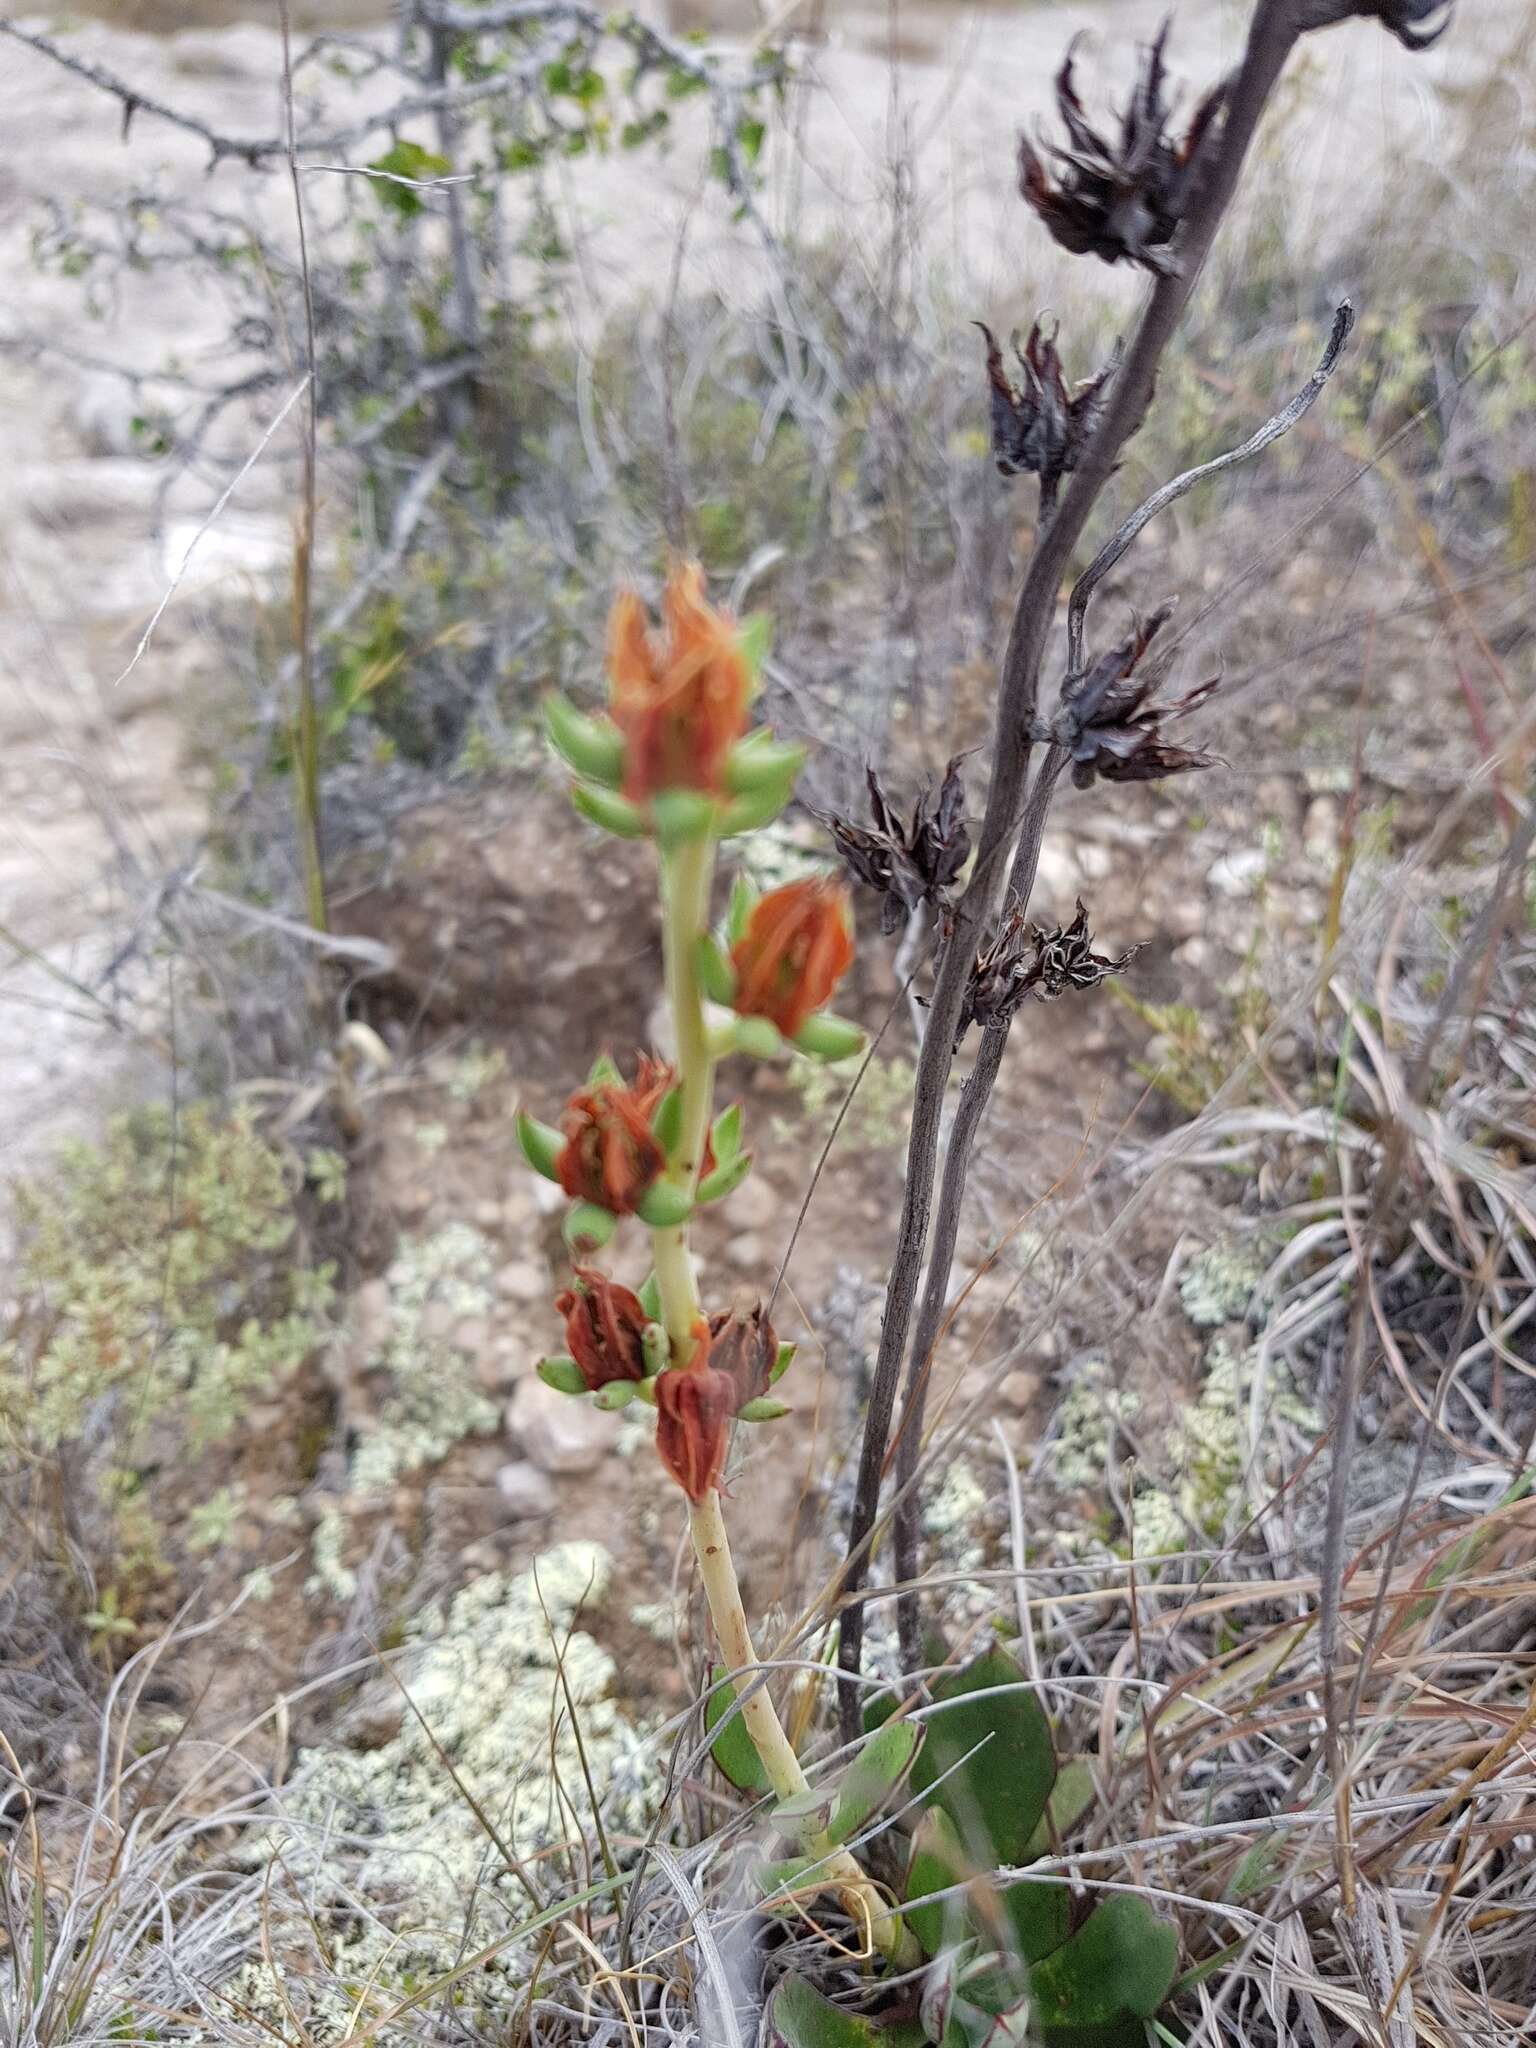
(161, 1290)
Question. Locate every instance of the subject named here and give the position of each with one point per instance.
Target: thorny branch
(1275, 29)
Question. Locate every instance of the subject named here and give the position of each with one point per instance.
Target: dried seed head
(1119, 196)
(1108, 719)
(1026, 961)
(1041, 427)
(908, 864)
(1402, 18)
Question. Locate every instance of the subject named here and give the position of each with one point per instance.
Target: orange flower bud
(694, 1406)
(611, 1155)
(604, 1329)
(796, 948)
(680, 702)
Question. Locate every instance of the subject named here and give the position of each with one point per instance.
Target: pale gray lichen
(384, 1844)
(1203, 1449)
(1218, 1285)
(433, 1402)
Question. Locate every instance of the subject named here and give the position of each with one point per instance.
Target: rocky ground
(419, 1456)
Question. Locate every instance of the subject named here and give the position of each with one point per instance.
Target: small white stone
(755, 1203)
(745, 1250)
(559, 1432)
(521, 1280)
(1018, 1391)
(1238, 873)
(525, 1492)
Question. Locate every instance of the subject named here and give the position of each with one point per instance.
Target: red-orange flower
(681, 700)
(745, 1349)
(694, 1406)
(732, 1364)
(611, 1154)
(604, 1329)
(796, 948)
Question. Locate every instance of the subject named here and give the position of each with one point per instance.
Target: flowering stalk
(685, 878)
(675, 763)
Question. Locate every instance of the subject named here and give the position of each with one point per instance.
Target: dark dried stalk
(1274, 31)
(974, 1098)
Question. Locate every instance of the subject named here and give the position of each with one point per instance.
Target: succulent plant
(1011, 1958)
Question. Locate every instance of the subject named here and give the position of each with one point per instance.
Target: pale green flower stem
(686, 873)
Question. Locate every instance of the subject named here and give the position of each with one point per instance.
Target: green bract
(594, 747)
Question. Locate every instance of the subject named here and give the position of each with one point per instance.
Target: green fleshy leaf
(743, 902)
(614, 813)
(996, 1795)
(603, 1071)
(1113, 1973)
(782, 1363)
(757, 1037)
(664, 1205)
(617, 1394)
(806, 1813)
(1039, 1915)
(587, 1228)
(826, 1037)
(873, 1776)
(594, 747)
(725, 1135)
(716, 975)
(645, 1390)
(799, 2017)
(649, 1295)
(761, 762)
(561, 1373)
(667, 1123)
(682, 815)
(785, 1876)
(732, 1748)
(762, 1410)
(1071, 1796)
(657, 1348)
(541, 1144)
(754, 636)
(937, 1862)
(714, 1187)
(752, 813)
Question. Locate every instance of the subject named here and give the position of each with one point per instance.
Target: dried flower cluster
(1108, 721)
(912, 864)
(1040, 427)
(1028, 961)
(1118, 196)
